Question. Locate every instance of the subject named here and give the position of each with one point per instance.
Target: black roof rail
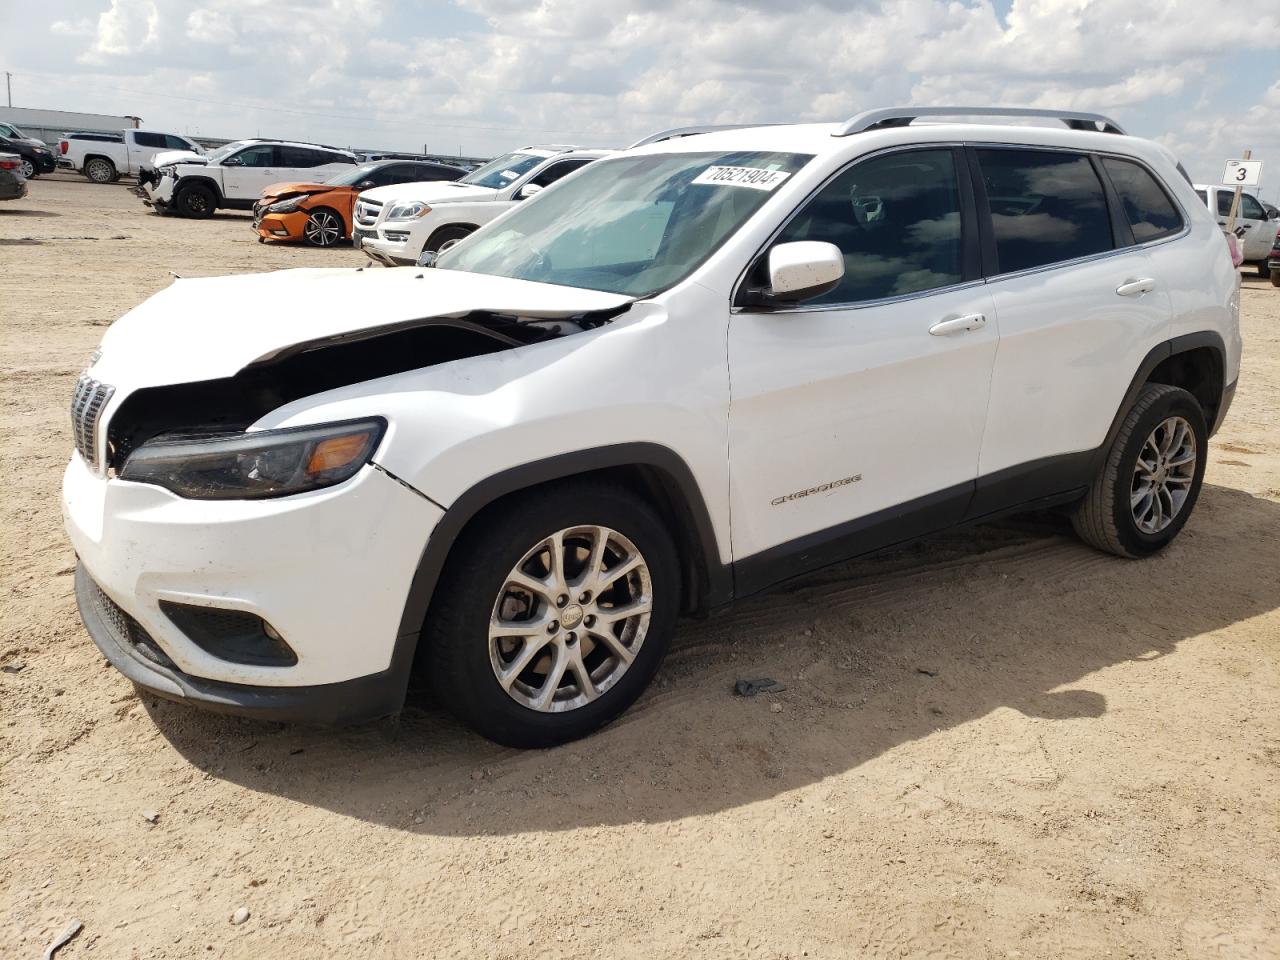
(887, 117)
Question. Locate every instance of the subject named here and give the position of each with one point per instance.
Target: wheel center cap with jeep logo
(571, 616)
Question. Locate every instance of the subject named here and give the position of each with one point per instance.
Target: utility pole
(8, 86)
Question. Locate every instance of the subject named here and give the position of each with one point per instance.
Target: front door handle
(1135, 288)
(973, 321)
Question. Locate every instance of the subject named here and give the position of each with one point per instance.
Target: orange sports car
(319, 214)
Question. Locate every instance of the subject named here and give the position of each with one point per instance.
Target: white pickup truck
(105, 157)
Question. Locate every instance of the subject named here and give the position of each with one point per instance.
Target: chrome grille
(367, 212)
(86, 410)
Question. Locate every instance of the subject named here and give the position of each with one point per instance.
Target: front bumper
(159, 195)
(44, 163)
(279, 226)
(329, 570)
(393, 252)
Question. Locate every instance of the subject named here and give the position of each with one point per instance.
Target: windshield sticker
(752, 177)
(508, 174)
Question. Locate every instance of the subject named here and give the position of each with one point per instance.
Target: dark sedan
(36, 159)
(13, 185)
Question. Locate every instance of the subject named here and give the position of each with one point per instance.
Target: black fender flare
(680, 487)
(1156, 356)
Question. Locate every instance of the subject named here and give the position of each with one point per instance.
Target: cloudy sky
(483, 75)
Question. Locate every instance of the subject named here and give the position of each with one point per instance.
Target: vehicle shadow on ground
(875, 654)
(20, 212)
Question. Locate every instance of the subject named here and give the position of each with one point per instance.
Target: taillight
(62, 146)
(1237, 255)
(10, 164)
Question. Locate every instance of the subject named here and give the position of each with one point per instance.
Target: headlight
(167, 170)
(286, 206)
(408, 210)
(252, 466)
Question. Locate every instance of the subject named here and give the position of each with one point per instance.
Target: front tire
(29, 171)
(100, 170)
(1148, 486)
(324, 228)
(554, 611)
(446, 235)
(195, 200)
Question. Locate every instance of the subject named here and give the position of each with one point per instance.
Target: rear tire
(1134, 507)
(324, 228)
(195, 200)
(1263, 270)
(1275, 278)
(100, 170)
(496, 674)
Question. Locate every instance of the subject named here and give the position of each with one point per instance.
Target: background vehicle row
(320, 214)
(396, 225)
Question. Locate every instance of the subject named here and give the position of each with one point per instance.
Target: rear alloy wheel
(100, 170)
(323, 228)
(553, 613)
(1148, 486)
(28, 169)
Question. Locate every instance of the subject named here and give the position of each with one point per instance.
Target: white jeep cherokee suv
(689, 372)
(397, 224)
(235, 174)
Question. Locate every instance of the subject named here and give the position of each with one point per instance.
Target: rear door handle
(973, 321)
(1135, 288)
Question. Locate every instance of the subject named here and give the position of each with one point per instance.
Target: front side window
(633, 225)
(154, 140)
(897, 221)
(262, 155)
(1150, 212)
(502, 172)
(226, 150)
(1046, 207)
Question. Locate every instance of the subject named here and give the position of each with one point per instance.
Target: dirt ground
(998, 743)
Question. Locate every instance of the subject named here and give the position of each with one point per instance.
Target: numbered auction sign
(1242, 173)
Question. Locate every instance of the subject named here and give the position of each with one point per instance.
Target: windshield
(496, 174)
(227, 149)
(349, 178)
(632, 225)
(8, 130)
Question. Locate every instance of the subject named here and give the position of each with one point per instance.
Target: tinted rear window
(1046, 207)
(1150, 212)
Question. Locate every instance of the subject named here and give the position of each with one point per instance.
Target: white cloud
(485, 74)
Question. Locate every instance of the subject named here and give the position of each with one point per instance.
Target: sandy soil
(995, 744)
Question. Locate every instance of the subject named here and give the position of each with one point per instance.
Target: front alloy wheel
(570, 619)
(28, 169)
(553, 612)
(322, 229)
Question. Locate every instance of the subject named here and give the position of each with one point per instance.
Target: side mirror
(527, 191)
(365, 185)
(799, 271)
(233, 162)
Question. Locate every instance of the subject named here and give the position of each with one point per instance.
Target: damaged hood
(202, 329)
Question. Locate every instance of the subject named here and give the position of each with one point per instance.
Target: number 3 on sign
(1242, 173)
